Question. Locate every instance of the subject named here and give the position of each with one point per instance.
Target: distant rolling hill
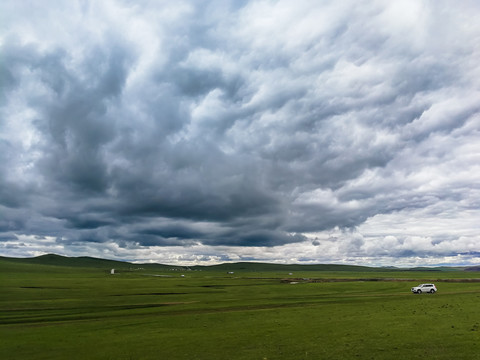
(473, 268)
(257, 267)
(91, 262)
(57, 260)
(82, 261)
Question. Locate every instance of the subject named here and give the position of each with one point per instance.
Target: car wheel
(432, 291)
(419, 291)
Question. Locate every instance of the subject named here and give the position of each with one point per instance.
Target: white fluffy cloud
(199, 132)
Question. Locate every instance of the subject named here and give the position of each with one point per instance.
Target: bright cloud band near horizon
(199, 132)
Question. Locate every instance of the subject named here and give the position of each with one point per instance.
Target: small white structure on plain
(182, 275)
(112, 272)
(290, 273)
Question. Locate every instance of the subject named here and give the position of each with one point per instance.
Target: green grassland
(58, 308)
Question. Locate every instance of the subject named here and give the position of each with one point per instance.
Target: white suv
(427, 288)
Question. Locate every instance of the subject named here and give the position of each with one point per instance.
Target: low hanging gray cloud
(183, 124)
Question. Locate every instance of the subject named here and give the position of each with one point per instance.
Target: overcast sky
(199, 132)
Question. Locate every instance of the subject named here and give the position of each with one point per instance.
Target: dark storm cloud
(198, 123)
(77, 124)
(11, 220)
(253, 237)
(173, 231)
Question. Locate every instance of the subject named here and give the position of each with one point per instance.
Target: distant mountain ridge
(86, 261)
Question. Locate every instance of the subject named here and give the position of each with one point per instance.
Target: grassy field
(75, 312)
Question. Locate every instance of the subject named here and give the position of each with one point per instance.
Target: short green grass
(58, 312)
